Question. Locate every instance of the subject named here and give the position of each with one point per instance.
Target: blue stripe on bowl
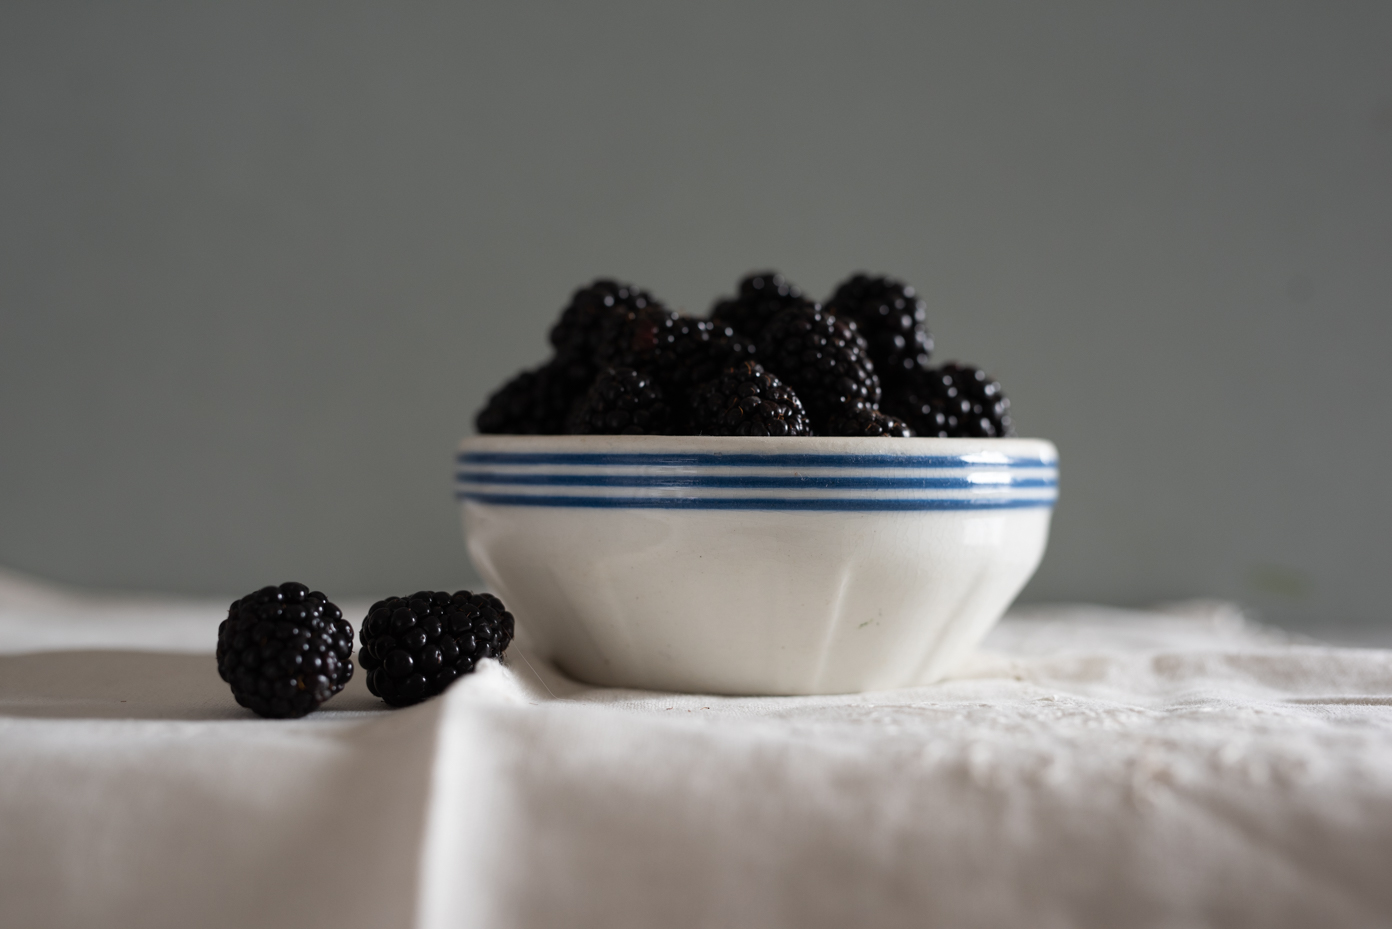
(750, 482)
(759, 503)
(770, 460)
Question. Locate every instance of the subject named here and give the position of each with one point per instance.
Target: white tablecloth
(1090, 767)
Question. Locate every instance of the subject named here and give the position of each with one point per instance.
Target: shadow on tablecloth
(117, 684)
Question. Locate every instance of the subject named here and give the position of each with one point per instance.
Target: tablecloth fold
(1089, 767)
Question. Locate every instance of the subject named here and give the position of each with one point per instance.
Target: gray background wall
(260, 263)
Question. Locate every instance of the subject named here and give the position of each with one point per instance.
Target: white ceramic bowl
(756, 565)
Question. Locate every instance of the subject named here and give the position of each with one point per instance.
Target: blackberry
(537, 402)
(576, 336)
(678, 351)
(621, 402)
(762, 295)
(821, 357)
(952, 401)
(414, 647)
(638, 337)
(285, 650)
(892, 319)
(747, 400)
(534, 402)
(859, 420)
(699, 352)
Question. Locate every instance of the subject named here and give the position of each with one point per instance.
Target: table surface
(1089, 767)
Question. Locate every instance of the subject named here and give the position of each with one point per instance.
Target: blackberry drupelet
(414, 647)
(577, 335)
(762, 295)
(860, 420)
(747, 400)
(285, 650)
(892, 319)
(823, 359)
(622, 401)
(534, 402)
(952, 401)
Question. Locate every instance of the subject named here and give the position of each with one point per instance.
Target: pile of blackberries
(285, 650)
(768, 362)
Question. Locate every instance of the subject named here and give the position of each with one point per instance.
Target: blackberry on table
(859, 420)
(534, 402)
(285, 650)
(761, 296)
(747, 400)
(891, 317)
(823, 358)
(414, 647)
(622, 401)
(954, 400)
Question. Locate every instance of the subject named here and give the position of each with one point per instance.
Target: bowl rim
(1043, 449)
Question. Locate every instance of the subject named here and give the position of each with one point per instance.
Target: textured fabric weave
(1089, 767)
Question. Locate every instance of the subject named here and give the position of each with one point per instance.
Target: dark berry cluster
(622, 401)
(891, 317)
(825, 360)
(760, 296)
(860, 420)
(414, 647)
(857, 365)
(534, 402)
(747, 400)
(954, 400)
(579, 334)
(285, 650)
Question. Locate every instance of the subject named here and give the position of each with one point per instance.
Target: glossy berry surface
(760, 297)
(747, 400)
(891, 317)
(414, 647)
(285, 650)
(862, 421)
(700, 350)
(638, 338)
(859, 366)
(823, 359)
(622, 401)
(577, 335)
(534, 402)
(953, 401)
